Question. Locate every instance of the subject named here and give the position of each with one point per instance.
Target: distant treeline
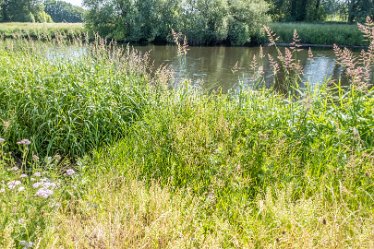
(39, 11)
(211, 22)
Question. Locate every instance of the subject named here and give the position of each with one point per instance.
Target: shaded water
(225, 67)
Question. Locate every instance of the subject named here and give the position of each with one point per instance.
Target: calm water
(225, 67)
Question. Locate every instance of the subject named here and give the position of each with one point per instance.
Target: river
(226, 67)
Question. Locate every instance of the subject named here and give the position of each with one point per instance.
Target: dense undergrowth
(156, 167)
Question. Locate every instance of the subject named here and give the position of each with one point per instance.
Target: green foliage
(43, 17)
(21, 10)
(41, 31)
(67, 108)
(325, 34)
(177, 168)
(203, 21)
(318, 10)
(61, 11)
(358, 10)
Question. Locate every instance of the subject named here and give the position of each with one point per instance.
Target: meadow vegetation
(99, 152)
(41, 31)
(320, 34)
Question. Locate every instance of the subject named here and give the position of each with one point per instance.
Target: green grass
(320, 34)
(41, 31)
(176, 168)
(66, 108)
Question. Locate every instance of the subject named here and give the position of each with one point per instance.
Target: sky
(75, 2)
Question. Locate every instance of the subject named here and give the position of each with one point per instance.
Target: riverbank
(41, 31)
(97, 152)
(320, 35)
(311, 35)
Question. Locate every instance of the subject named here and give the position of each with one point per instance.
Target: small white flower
(37, 174)
(70, 172)
(2, 190)
(23, 176)
(20, 189)
(49, 185)
(24, 142)
(14, 169)
(26, 244)
(44, 179)
(13, 184)
(2, 140)
(32, 179)
(44, 193)
(37, 184)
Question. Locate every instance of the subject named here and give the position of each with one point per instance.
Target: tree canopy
(61, 11)
(317, 10)
(203, 21)
(23, 11)
(39, 11)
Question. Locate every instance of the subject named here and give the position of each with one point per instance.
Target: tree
(358, 10)
(203, 21)
(23, 11)
(298, 10)
(61, 11)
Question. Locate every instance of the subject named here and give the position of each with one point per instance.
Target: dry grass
(124, 213)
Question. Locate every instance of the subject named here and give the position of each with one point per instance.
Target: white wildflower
(70, 172)
(44, 193)
(49, 185)
(24, 142)
(37, 184)
(26, 244)
(37, 174)
(13, 184)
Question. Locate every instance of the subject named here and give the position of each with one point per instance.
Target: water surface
(225, 67)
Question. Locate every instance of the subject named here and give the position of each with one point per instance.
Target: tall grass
(320, 34)
(157, 167)
(69, 107)
(41, 31)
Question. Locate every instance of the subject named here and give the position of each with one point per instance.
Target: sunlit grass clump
(68, 107)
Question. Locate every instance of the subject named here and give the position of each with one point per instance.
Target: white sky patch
(75, 2)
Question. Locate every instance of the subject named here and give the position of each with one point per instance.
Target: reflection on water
(227, 66)
(223, 67)
(65, 52)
